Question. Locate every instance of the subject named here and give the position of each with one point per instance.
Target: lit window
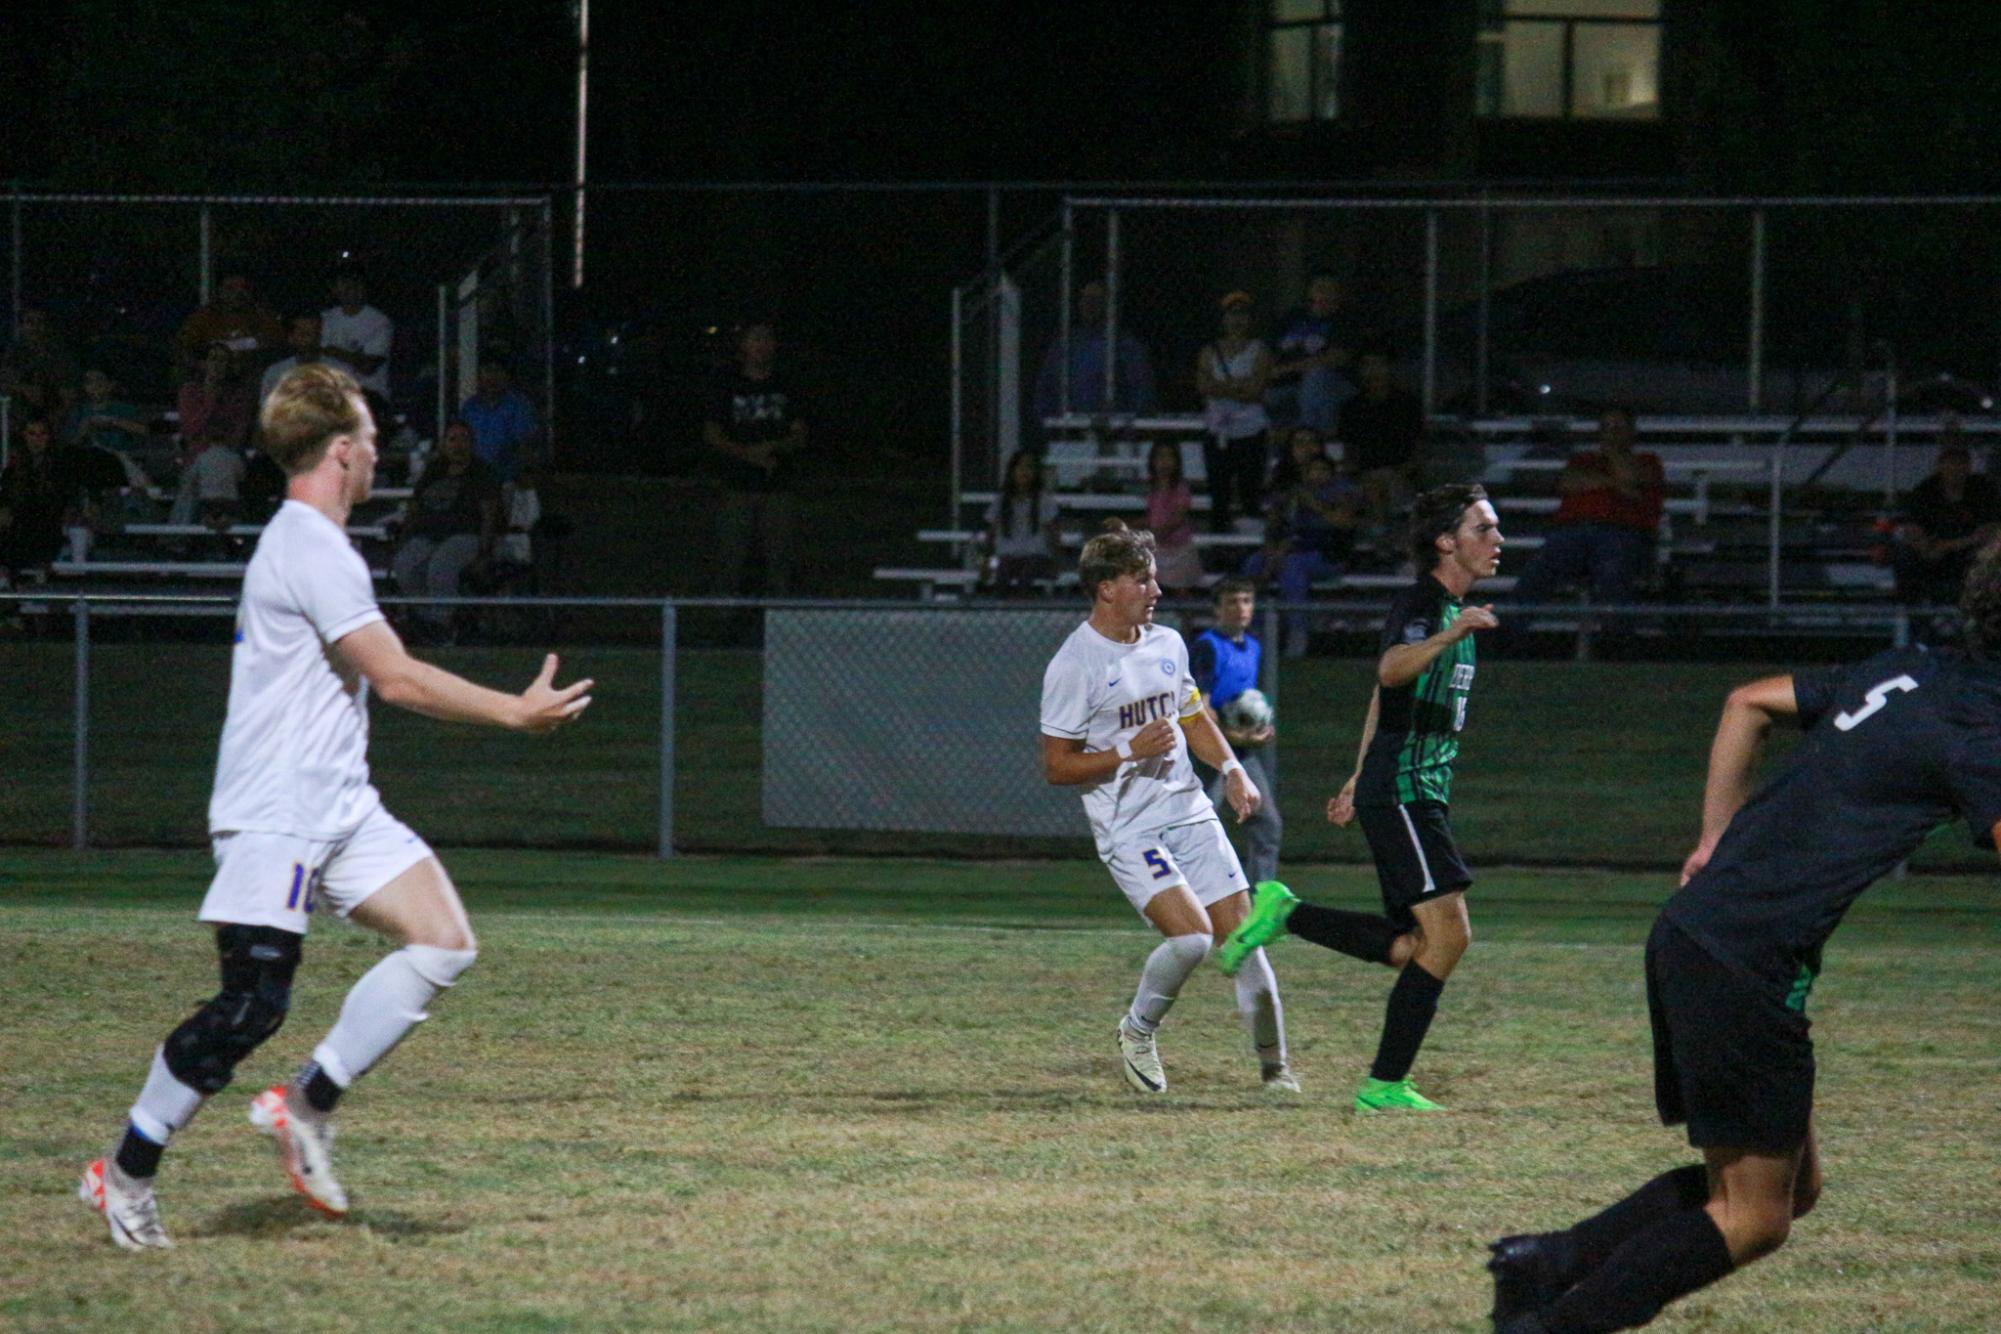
(1302, 60)
(1584, 59)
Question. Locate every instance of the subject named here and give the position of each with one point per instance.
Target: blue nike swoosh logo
(1109, 684)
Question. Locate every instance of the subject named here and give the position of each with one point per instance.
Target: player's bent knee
(257, 967)
(1191, 949)
(439, 967)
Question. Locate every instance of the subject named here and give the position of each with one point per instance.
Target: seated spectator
(1231, 374)
(1382, 440)
(216, 406)
(1607, 526)
(1170, 515)
(1309, 535)
(1024, 539)
(501, 417)
(211, 490)
(453, 522)
(37, 355)
(234, 319)
(41, 492)
(1132, 380)
(1947, 518)
(356, 334)
(100, 420)
(1302, 445)
(1308, 385)
(302, 345)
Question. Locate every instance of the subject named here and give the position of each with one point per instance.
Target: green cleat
(1271, 904)
(1385, 1095)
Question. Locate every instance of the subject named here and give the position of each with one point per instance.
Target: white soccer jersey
(1102, 692)
(294, 754)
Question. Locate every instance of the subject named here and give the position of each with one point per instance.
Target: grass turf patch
(850, 1095)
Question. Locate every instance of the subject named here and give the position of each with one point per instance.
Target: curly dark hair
(1980, 600)
(1436, 514)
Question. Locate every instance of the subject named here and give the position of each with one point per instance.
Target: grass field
(836, 1095)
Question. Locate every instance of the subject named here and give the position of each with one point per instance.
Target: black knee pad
(257, 967)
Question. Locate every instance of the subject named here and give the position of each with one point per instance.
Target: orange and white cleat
(127, 1205)
(305, 1147)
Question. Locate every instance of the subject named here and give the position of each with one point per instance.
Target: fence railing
(748, 740)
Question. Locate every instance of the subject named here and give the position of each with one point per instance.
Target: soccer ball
(1247, 712)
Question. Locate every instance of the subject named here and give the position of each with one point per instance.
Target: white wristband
(1125, 749)
(1233, 765)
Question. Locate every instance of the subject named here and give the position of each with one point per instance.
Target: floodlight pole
(583, 107)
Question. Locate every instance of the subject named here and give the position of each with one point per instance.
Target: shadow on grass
(284, 1215)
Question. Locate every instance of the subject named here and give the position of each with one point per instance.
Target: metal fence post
(79, 827)
(667, 637)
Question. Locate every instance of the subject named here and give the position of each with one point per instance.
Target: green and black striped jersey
(1417, 726)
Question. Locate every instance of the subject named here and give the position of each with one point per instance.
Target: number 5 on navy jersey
(1878, 696)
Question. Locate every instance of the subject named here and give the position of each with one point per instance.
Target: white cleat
(127, 1205)
(1280, 1079)
(305, 1147)
(1141, 1060)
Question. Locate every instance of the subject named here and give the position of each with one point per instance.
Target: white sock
(1257, 1001)
(1160, 980)
(384, 1006)
(165, 1104)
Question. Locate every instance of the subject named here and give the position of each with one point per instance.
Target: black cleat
(1525, 1280)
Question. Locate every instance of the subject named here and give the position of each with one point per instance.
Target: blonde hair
(1116, 551)
(311, 405)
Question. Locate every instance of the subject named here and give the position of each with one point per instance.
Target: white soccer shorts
(1197, 855)
(280, 879)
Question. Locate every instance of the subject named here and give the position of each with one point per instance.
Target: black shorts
(1730, 1059)
(1417, 858)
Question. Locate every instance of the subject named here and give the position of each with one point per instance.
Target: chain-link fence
(862, 729)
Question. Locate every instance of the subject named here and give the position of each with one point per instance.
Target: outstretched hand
(1341, 806)
(1474, 619)
(1242, 794)
(1696, 861)
(544, 707)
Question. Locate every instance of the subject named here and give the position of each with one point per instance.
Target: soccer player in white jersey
(1120, 714)
(296, 823)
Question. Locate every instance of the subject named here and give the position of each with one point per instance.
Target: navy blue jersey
(1895, 747)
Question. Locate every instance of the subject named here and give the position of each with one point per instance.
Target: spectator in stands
(1382, 440)
(356, 334)
(234, 319)
(1607, 525)
(302, 344)
(1302, 445)
(1170, 515)
(101, 420)
(502, 419)
(1132, 387)
(216, 404)
(37, 355)
(211, 489)
(453, 523)
(1309, 535)
(1231, 374)
(756, 428)
(1308, 385)
(1024, 537)
(40, 492)
(1947, 519)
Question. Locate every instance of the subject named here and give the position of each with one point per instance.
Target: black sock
(1359, 935)
(1671, 1259)
(138, 1156)
(321, 1093)
(1590, 1243)
(1413, 1000)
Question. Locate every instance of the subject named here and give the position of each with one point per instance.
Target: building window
(1302, 60)
(1575, 59)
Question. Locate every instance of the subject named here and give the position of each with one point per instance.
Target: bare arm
(1404, 663)
(1208, 744)
(1065, 762)
(1748, 715)
(376, 653)
(1341, 807)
